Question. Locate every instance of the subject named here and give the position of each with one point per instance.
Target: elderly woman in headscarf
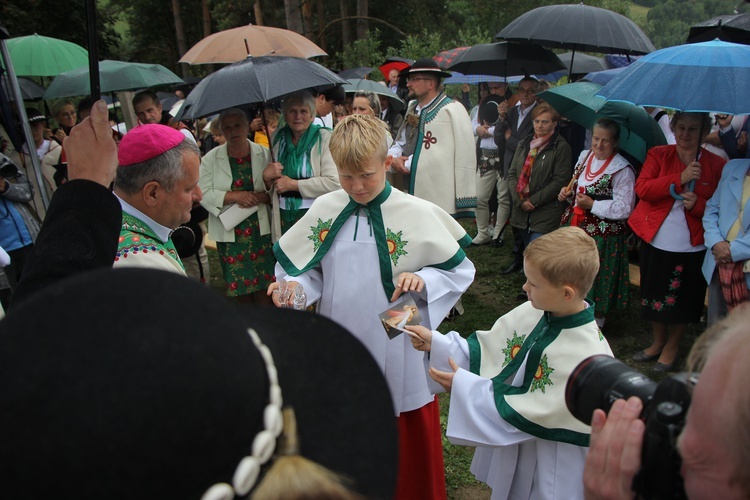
(304, 168)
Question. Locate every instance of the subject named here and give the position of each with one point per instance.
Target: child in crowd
(271, 122)
(508, 397)
(355, 252)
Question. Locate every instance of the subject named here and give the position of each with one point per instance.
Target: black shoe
(642, 357)
(497, 243)
(515, 267)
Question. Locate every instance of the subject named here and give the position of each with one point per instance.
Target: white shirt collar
(163, 232)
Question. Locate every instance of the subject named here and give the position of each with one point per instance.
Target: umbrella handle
(265, 129)
(690, 187)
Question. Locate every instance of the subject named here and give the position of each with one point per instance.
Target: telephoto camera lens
(599, 381)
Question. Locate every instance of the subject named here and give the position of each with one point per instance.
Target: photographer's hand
(91, 150)
(615, 451)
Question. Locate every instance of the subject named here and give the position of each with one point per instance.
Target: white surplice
(515, 464)
(352, 294)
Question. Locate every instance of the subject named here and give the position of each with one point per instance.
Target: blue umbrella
(708, 76)
(701, 77)
(604, 77)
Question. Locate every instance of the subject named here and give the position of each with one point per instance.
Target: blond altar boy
(356, 252)
(507, 384)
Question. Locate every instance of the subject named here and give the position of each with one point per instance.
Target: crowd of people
(358, 205)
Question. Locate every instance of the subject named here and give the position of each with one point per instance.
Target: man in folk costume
(435, 145)
(157, 185)
(355, 252)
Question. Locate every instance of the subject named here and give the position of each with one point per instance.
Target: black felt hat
(425, 66)
(143, 384)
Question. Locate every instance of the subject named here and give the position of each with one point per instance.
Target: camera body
(8, 169)
(598, 381)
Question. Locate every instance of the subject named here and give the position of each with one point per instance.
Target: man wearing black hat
(435, 146)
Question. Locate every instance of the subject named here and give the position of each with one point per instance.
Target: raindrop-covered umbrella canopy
(255, 80)
(578, 103)
(358, 72)
(733, 28)
(708, 76)
(354, 84)
(583, 63)
(604, 77)
(234, 45)
(506, 58)
(37, 55)
(578, 27)
(115, 76)
(460, 78)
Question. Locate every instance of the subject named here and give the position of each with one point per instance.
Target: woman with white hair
(304, 168)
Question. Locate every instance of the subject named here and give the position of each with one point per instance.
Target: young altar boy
(507, 384)
(355, 252)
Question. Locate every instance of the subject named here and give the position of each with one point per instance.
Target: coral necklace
(591, 176)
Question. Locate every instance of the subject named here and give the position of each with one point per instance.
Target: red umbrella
(448, 57)
(397, 63)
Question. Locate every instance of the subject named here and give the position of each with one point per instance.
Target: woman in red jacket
(672, 287)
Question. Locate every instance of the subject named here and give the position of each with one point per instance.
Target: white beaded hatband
(264, 443)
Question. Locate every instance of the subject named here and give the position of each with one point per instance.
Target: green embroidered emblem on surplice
(319, 233)
(542, 374)
(395, 245)
(514, 345)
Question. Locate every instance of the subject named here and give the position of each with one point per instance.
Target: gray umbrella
(30, 90)
(730, 28)
(506, 59)
(255, 80)
(583, 63)
(579, 28)
(354, 84)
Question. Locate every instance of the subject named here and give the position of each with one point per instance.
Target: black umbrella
(729, 28)
(578, 27)
(358, 72)
(30, 90)
(256, 80)
(505, 59)
(584, 63)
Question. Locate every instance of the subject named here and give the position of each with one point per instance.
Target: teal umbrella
(115, 76)
(578, 103)
(37, 55)
(354, 84)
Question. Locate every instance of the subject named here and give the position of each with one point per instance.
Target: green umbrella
(37, 55)
(354, 84)
(115, 76)
(578, 103)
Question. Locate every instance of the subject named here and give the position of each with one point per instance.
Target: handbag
(233, 214)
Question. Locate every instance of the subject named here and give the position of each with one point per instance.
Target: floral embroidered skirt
(673, 289)
(247, 264)
(611, 288)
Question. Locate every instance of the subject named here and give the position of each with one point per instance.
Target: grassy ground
(490, 296)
